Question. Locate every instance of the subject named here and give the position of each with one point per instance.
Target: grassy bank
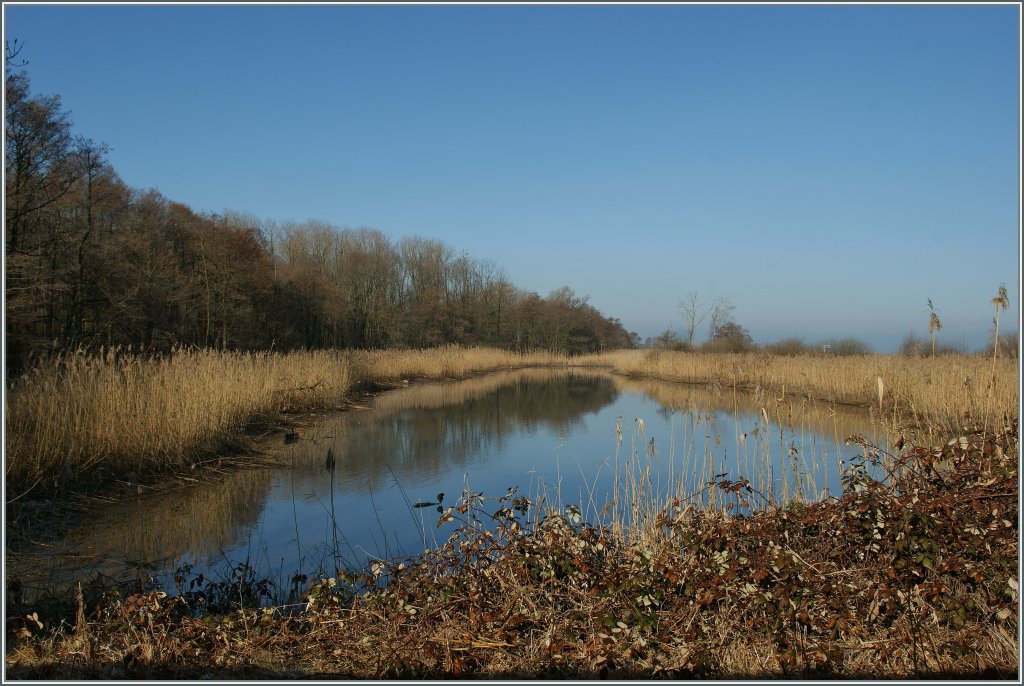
(79, 419)
(945, 393)
(82, 420)
(910, 577)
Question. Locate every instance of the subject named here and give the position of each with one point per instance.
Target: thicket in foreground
(913, 575)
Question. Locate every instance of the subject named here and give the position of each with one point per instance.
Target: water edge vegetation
(915, 575)
(121, 416)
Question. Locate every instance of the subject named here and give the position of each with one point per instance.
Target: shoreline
(881, 582)
(367, 374)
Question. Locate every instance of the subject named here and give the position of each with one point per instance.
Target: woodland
(92, 262)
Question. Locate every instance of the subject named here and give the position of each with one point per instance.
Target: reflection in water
(789, 447)
(148, 531)
(551, 433)
(431, 429)
(831, 420)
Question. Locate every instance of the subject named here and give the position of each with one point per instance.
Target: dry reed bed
(911, 577)
(827, 419)
(118, 415)
(428, 396)
(125, 415)
(445, 362)
(942, 390)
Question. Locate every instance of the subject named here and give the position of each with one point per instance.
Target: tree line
(93, 262)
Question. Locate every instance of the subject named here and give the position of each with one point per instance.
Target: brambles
(908, 575)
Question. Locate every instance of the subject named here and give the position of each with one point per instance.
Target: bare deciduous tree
(693, 314)
(11, 51)
(721, 315)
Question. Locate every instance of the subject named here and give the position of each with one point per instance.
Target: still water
(561, 437)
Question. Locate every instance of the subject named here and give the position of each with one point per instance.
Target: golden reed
(121, 413)
(124, 414)
(944, 392)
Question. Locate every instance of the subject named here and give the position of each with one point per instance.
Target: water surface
(560, 437)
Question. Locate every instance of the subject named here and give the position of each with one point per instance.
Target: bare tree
(11, 51)
(693, 314)
(721, 315)
(90, 261)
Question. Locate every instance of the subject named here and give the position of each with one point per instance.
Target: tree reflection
(426, 430)
(425, 433)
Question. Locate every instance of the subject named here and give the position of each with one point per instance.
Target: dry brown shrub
(910, 577)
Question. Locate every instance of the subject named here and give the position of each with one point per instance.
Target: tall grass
(118, 415)
(927, 399)
(448, 361)
(121, 412)
(944, 394)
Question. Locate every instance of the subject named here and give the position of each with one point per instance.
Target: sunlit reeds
(130, 414)
(799, 413)
(946, 393)
(450, 361)
(126, 415)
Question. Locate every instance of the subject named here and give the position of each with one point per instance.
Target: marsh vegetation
(116, 416)
(557, 434)
(669, 577)
(859, 518)
(909, 576)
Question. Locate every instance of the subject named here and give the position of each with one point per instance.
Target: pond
(559, 437)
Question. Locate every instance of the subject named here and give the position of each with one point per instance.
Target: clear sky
(826, 168)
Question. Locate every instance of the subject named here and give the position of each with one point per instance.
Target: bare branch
(11, 50)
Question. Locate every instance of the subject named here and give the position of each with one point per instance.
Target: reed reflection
(832, 420)
(431, 429)
(352, 482)
(148, 531)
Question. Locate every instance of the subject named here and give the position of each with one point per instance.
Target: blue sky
(827, 169)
